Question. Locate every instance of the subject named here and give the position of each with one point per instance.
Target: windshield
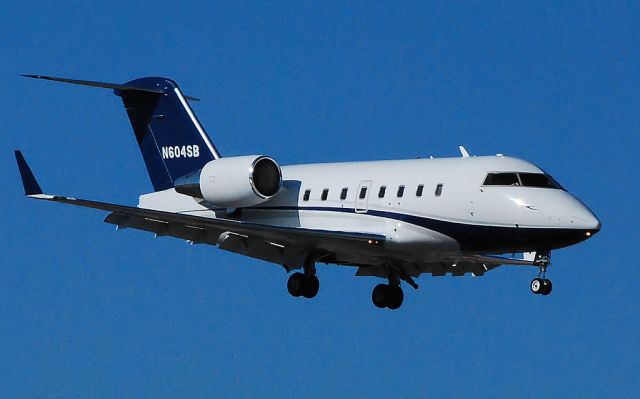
(523, 179)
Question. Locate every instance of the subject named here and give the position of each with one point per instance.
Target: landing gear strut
(542, 285)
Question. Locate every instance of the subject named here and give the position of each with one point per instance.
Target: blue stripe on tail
(171, 139)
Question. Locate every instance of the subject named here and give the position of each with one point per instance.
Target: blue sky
(86, 311)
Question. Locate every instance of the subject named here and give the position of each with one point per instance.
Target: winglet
(31, 186)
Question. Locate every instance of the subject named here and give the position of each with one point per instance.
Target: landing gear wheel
(537, 286)
(395, 298)
(379, 295)
(305, 285)
(387, 296)
(546, 287)
(296, 285)
(311, 286)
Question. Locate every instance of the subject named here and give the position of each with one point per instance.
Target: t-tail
(172, 141)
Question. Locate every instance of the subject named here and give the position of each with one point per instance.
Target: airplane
(392, 219)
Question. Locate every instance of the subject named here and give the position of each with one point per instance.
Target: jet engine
(233, 182)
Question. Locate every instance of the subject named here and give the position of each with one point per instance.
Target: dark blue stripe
(471, 237)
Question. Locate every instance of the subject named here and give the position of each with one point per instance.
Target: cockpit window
(523, 179)
(538, 180)
(502, 179)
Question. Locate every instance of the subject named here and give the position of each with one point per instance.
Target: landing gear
(306, 285)
(391, 295)
(387, 296)
(542, 285)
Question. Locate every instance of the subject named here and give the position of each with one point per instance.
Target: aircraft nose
(597, 225)
(584, 219)
(593, 226)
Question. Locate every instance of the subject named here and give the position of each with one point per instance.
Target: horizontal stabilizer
(31, 186)
(104, 85)
(91, 83)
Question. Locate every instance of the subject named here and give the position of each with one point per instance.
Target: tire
(311, 286)
(380, 295)
(537, 285)
(295, 285)
(547, 287)
(396, 298)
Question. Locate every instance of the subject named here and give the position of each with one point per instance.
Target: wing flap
(290, 256)
(194, 234)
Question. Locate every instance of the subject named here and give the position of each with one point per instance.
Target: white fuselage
(455, 212)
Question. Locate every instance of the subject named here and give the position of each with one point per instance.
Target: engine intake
(233, 182)
(265, 177)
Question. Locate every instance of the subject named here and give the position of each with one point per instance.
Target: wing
(457, 268)
(475, 265)
(288, 246)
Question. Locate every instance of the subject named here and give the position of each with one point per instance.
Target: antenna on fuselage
(463, 151)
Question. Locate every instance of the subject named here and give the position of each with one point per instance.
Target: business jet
(393, 219)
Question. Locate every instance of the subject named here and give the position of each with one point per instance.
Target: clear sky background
(87, 311)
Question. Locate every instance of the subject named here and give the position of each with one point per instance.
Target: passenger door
(362, 196)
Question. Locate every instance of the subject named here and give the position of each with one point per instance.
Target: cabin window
(400, 191)
(502, 179)
(382, 191)
(363, 193)
(419, 190)
(439, 190)
(538, 180)
(307, 193)
(325, 194)
(343, 193)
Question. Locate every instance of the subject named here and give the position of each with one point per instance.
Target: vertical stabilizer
(171, 139)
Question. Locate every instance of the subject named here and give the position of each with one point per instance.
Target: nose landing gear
(542, 285)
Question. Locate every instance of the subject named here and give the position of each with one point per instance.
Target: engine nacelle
(233, 182)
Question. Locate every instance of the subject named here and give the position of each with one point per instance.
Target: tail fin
(171, 139)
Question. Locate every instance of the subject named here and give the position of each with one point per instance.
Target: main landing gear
(391, 295)
(302, 284)
(387, 296)
(542, 285)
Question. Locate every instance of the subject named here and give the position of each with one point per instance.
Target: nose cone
(583, 219)
(594, 225)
